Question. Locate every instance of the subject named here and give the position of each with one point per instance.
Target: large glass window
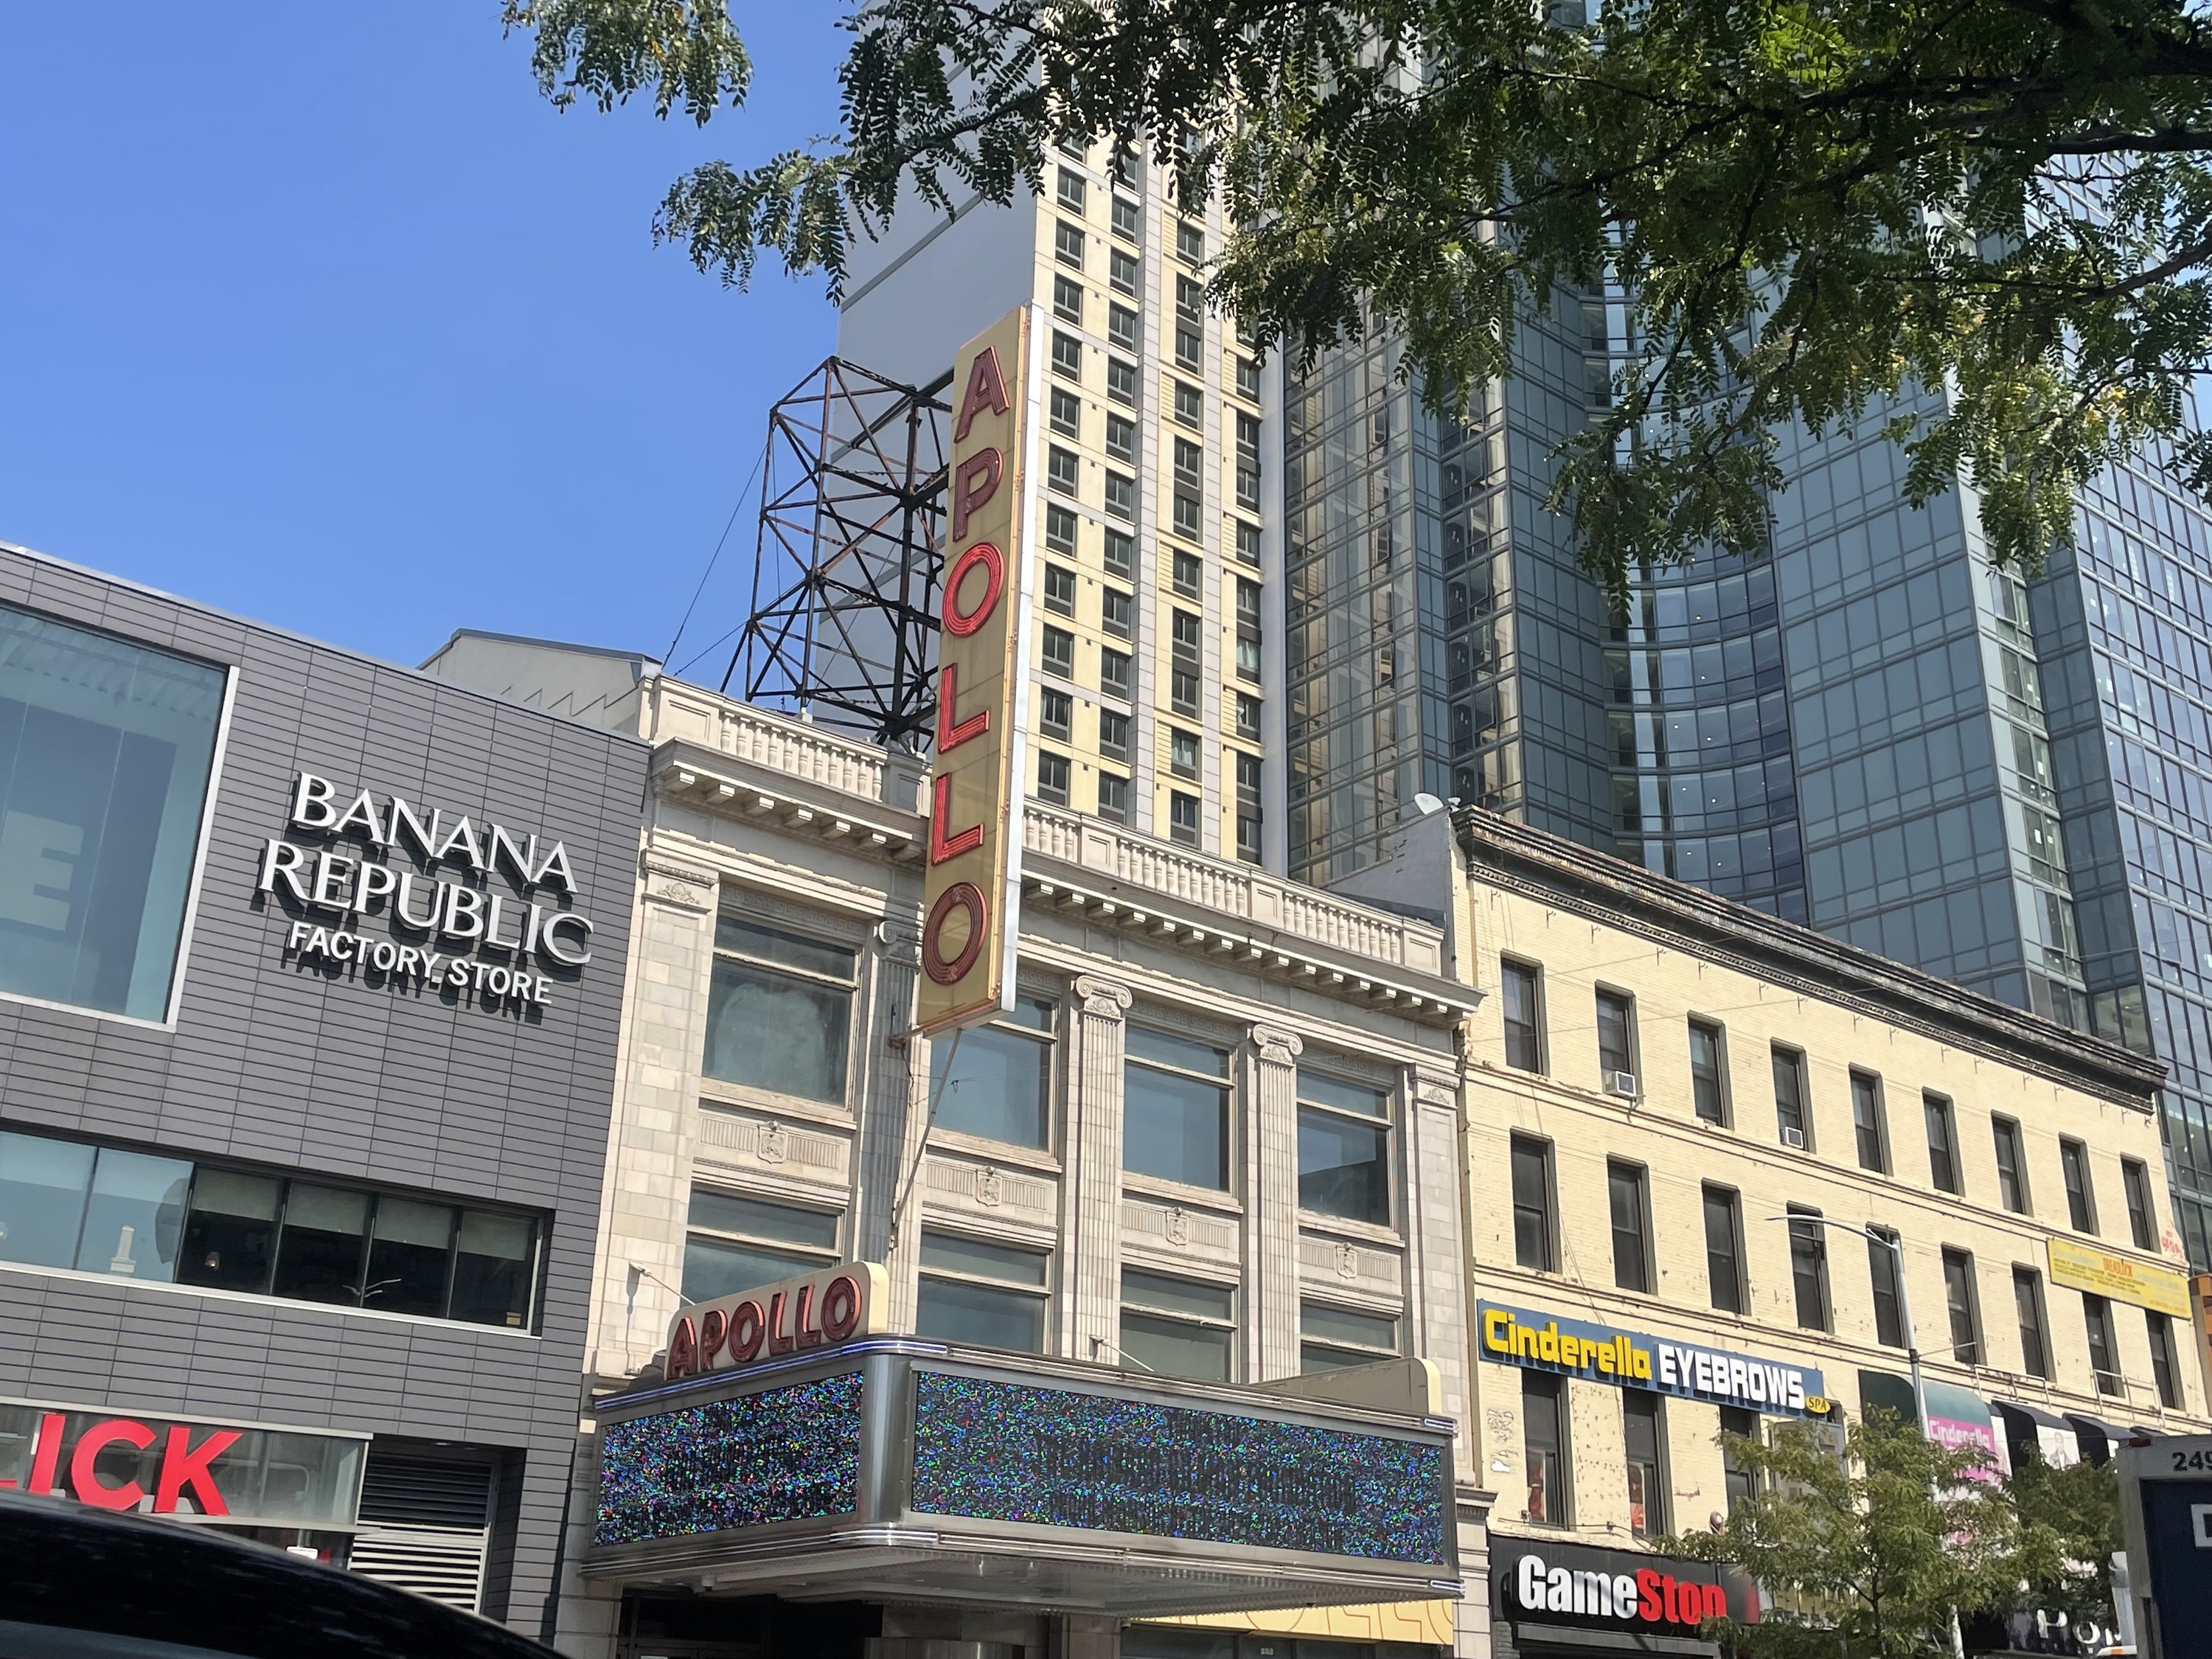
(1627, 1187)
(1544, 1447)
(1522, 999)
(995, 1081)
(1708, 1073)
(105, 751)
(778, 1010)
(1344, 1149)
(1332, 1338)
(736, 1243)
(1175, 1110)
(1178, 1326)
(990, 1295)
(1533, 1229)
(1868, 1122)
(1724, 1248)
(141, 1215)
(1643, 1435)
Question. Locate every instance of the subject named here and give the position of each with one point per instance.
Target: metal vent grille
(421, 1491)
(424, 1527)
(444, 1563)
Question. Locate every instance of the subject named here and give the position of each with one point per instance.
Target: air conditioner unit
(1793, 1136)
(1623, 1084)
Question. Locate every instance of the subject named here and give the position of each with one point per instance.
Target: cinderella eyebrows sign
(974, 882)
(1632, 1359)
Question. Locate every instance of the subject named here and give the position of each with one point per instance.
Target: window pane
(995, 1084)
(952, 1253)
(949, 1311)
(2027, 1303)
(1159, 1292)
(1175, 1127)
(1613, 1046)
(1790, 1096)
(1723, 1251)
(1544, 1450)
(1808, 1267)
(412, 1247)
(729, 1213)
(776, 1031)
(1626, 1188)
(1888, 1319)
(1958, 1298)
(136, 1217)
(493, 1269)
(2163, 1376)
(1344, 1096)
(2080, 1209)
(1324, 1323)
(715, 1266)
(1173, 1348)
(1144, 1043)
(319, 1255)
(1523, 1035)
(2012, 1185)
(1532, 1205)
(1343, 1168)
(105, 754)
(1640, 1434)
(42, 1190)
(1866, 1121)
(1942, 1162)
(1706, 1074)
(230, 1237)
(2142, 1218)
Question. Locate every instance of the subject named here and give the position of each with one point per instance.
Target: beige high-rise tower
(1155, 660)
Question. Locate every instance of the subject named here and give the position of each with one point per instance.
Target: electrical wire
(720, 544)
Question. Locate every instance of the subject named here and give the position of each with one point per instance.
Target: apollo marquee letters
(815, 1310)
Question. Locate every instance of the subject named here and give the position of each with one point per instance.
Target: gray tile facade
(308, 1069)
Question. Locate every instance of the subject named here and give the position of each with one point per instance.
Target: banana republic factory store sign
(388, 894)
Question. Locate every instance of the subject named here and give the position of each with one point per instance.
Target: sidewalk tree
(1816, 207)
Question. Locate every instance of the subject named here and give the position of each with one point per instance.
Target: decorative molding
(1339, 1259)
(822, 923)
(987, 1187)
(773, 1142)
(680, 885)
(1178, 1229)
(1277, 1047)
(1102, 999)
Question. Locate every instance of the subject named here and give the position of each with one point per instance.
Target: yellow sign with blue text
(1633, 1359)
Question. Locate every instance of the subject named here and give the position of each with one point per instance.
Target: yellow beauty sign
(2123, 1278)
(972, 892)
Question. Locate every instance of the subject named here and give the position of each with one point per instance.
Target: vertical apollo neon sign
(973, 890)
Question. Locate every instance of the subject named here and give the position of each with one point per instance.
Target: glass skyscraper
(1868, 730)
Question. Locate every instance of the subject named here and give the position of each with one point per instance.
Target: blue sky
(319, 313)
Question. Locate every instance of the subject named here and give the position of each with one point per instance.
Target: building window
(1068, 243)
(738, 1243)
(1182, 819)
(1124, 270)
(1121, 495)
(1523, 1001)
(1708, 1073)
(1189, 463)
(1544, 1447)
(1120, 553)
(1881, 1268)
(1178, 1326)
(1790, 1098)
(1808, 1267)
(1247, 460)
(1068, 299)
(1059, 528)
(1189, 346)
(1247, 378)
(1869, 1122)
(2142, 1218)
(1628, 1188)
(1247, 807)
(1189, 404)
(1121, 438)
(1052, 777)
(1066, 355)
(1616, 1041)
(1113, 734)
(105, 753)
(1059, 589)
(1534, 1237)
(1738, 1482)
(1121, 381)
(1724, 1248)
(1114, 612)
(1061, 470)
(1184, 571)
(1055, 710)
(1964, 1307)
(1248, 717)
(1942, 1144)
(2164, 1377)
(1190, 247)
(1126, 216)
(2081, 1198)
(1189, 517)
(1066, 412)
(2028, 1303)
(991, 1295)
(1072, 190)
(1113, 677)
(1248, 542)
(1121, 327)
(1332, 1338)
(2012, 1165)
(1175, 1110)
(1059, 650)
(1182, 690)
(995, 1081)
(2104, 1352)
(777, 1011)
(1183, 753)
(1112, 796)
(168, 1220)
(1344, 1149)
(1642, 1432)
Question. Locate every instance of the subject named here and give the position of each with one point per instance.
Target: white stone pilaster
(1436, 1250)
(1088, 1324)
(1271, 1206)
(893, 1109)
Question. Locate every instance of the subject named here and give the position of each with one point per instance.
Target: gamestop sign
(1615, 1589)
(969, 895)
(162, 1465)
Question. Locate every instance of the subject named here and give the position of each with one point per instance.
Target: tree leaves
(605, 50)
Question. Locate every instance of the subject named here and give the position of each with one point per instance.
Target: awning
(2026, 1426)
(2098, 1437)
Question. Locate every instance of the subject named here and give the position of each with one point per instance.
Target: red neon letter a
(987, 389)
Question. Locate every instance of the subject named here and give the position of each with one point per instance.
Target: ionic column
(1090, 1302)
(1271, 1207)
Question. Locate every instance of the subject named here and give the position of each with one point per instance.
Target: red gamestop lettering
(1647, 1596)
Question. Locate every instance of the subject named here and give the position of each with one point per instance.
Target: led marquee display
(1005, 1451)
